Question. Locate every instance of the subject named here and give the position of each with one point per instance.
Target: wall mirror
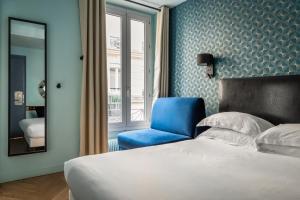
(27, 87)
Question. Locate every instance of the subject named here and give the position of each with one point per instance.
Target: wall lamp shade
(206, 59)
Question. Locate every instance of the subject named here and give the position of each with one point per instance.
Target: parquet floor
(48, 187)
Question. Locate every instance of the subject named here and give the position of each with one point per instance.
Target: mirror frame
(10, 19)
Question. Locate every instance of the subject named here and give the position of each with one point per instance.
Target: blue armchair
(173, 119)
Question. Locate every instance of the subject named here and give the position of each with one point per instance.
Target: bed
(34, 131)
(201, 169)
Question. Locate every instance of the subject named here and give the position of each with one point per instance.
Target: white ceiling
(158, 3)
(153, 3)
(28, 42)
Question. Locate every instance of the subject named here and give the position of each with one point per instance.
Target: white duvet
(200, 169)
(34, 127)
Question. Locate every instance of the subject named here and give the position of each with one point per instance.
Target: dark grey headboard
(276, 99)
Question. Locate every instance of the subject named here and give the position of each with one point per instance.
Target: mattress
(200, 169)
(34, 131)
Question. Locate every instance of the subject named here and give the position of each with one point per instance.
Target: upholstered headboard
(276, 99)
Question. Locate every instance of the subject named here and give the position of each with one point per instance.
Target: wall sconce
(206, 59)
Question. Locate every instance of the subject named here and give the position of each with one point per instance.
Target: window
(128, 52)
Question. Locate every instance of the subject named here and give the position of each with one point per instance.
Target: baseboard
(31, 173)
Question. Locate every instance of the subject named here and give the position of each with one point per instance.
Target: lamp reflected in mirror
(42, 88)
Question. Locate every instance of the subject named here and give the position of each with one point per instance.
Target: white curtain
(161, 67)
(93, 116)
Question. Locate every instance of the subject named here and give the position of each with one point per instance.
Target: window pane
(137, 70)
(113, 40)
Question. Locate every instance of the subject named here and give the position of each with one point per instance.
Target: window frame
(126, 15)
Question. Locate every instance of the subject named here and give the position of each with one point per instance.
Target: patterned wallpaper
(247, 38)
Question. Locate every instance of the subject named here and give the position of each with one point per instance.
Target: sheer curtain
(161, 67)
(93, 116)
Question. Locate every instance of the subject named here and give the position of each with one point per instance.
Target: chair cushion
(177, 115)
(147, 137)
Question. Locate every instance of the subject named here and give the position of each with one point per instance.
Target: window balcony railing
(115, 106)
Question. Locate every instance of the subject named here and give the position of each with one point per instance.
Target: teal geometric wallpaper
(247, 38)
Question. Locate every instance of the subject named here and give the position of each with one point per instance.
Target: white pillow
(283, 135)
(236, 121)
(279, 149)
(229, 136)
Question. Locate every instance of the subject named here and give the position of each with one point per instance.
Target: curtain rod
(140, 4)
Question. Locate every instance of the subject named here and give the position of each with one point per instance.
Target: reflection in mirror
(42, 88)
(27, 87)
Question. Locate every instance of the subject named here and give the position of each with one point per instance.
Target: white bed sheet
(200, 169)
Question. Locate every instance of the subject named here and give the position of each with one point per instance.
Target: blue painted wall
(64, 66)
(248, 38)
(35, 73)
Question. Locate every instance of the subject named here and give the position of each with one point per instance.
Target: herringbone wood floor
(48, 187)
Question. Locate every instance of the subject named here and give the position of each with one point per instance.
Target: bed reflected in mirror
(27, 87)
